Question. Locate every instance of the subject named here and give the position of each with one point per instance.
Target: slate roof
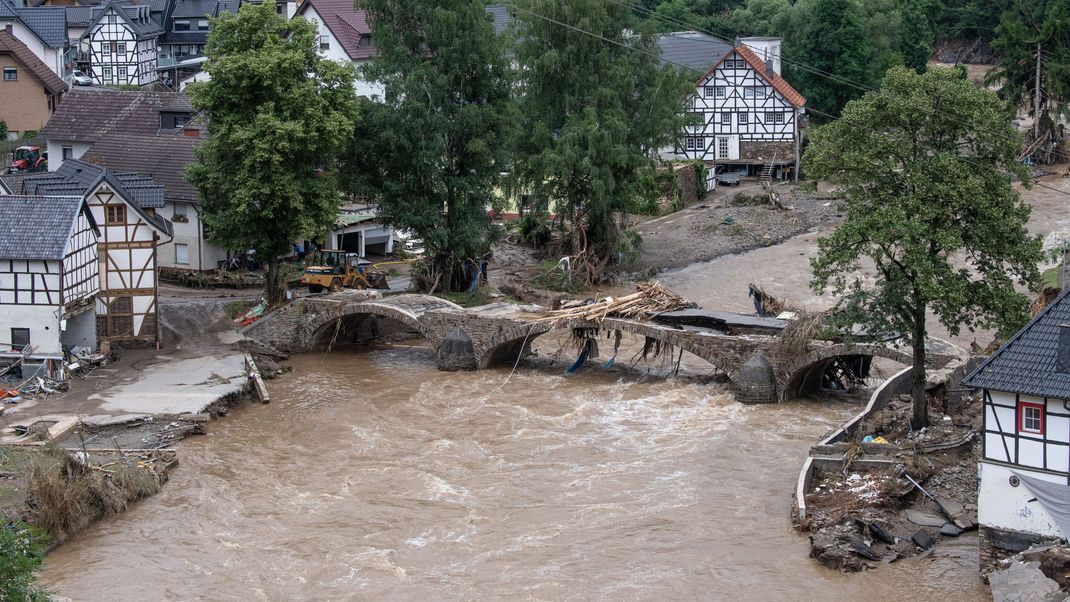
(77, 177)
(46, 22)
(162, 157)
(79, 16)
(143, 28)
(693, 49)
(86, 115)
(37, 227)
(1026, 362)
(9, 44)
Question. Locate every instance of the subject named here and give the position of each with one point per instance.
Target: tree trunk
(917, 373)
(276, 290)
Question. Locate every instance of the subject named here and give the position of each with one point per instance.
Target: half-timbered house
(1024, 468)
(123, 45)
(743, 113)
(124, 205)
(48, 279)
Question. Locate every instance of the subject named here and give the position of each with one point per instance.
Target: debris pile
(892, 492)
(651, 298)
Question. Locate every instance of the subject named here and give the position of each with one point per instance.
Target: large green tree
(277, 115)
(596, 107)
(432, 152)
(929, 200)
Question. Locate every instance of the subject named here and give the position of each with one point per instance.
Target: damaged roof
(37, 227)
(1026, 363)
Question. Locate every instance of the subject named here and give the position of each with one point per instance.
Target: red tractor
(28, 159)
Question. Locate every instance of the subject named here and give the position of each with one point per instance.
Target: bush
(22, 548)
(535, 229)
(3, 130)
(29, 134)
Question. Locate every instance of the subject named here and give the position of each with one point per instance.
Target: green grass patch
(480, 296)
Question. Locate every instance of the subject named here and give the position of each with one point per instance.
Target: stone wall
(763, 152)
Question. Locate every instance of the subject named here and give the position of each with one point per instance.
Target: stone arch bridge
(478, 338)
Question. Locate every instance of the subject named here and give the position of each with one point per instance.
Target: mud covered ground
(866, 514)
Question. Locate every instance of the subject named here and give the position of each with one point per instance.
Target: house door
(727, 148)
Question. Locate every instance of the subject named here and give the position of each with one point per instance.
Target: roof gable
(48, 23)
(37, 227)
(143, 29)
(1026, 362)
(9, 44)
(772, 78)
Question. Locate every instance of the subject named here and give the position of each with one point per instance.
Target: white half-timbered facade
(48, 279)
(128, 303)
(743, 112)
(123, 45)
(1025, 458)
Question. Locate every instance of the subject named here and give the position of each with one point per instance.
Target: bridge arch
(349, 322)
(803, 374)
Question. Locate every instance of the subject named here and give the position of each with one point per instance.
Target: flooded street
(372, 476)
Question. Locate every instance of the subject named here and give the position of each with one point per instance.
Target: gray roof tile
(36, 227)
(1026, 362)
(693, 49)
(46, 22)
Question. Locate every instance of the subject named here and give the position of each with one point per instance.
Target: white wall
(1002, 506)
(1001, 448)
(337, 53)
(202, 255)
(40, 319)
(81, 330)
(55, 151)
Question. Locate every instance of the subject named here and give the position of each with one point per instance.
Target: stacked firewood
(651, 298)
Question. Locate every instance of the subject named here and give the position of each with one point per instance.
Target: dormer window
(202, 24)
(182, 24)
(174, 120)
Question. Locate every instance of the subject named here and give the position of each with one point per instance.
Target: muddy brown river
(372, 476)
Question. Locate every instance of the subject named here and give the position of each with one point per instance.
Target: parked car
(81, 79)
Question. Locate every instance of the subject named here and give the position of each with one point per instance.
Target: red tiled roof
(778, 83)
(346, 23)
(9, 44)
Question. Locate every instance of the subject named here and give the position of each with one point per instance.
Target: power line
(681, 65)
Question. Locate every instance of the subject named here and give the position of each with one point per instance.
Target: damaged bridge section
(499, 334)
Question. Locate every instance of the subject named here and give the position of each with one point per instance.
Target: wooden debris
(651, 298)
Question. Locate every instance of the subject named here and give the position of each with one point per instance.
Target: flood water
(372, 476)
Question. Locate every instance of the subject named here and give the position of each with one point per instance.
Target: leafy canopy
(21, 551)
(431, 153)
(277, 114)
(594, 111)
(925, 167)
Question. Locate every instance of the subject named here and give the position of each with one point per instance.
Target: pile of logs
(651, 298)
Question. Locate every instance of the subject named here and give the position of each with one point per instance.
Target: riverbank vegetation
(22, 548)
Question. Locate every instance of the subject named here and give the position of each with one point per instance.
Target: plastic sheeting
(1053, 497)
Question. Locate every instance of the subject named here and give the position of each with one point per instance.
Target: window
(743, 119)
(182, 24)
(181, 254)
(722, 148)
(122, 72)
(20, 338)
(696, 120)
(325, 42)
(202, 24)
(68, 153)
(760, 92)
(708, 91)
(722, 91)
(11, 74)
(1031, 418)
(777, 118)
(726, 119)
(121, 47)
(748, 92)
(115, 214)
(693, 143)
(181, 214)
(105, 73)
(111, 18)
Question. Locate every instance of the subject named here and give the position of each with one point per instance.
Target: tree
(596, 108)
(21, 551)
(1023, 29)
(277, 115)
(834, 41)
(432, 152)
(928, 199)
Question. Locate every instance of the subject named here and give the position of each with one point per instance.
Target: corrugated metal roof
(36, 227)
(1026, 362)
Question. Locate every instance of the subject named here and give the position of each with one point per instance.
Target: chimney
(9, 29)
(1062, 350)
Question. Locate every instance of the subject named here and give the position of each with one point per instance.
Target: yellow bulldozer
(334, 270)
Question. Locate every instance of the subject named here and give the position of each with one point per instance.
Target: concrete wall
(1001, 505)
(24, 102)
(81, 330)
